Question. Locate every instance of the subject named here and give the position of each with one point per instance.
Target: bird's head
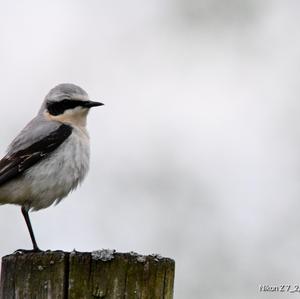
(68, 103)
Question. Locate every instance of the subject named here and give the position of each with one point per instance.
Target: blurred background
(196, 153)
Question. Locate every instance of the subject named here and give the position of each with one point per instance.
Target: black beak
(90, 104)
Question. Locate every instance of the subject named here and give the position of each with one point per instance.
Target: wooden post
(101, 274)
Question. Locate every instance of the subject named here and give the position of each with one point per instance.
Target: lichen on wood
(77, 275)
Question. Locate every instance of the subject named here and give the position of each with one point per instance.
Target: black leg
(27, 220)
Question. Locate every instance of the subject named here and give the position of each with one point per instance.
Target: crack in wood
(76, 275)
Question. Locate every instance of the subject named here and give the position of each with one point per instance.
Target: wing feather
(14, 165)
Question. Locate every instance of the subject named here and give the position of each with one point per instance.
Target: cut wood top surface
(81, 275)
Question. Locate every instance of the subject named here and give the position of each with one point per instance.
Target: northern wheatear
(50, 156)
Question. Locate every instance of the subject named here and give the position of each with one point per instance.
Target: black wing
(15, 164)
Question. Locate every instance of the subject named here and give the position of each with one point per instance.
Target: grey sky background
(195, 154)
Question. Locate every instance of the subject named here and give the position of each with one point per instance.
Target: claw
(24, 251)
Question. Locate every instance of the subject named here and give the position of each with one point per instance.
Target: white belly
(53, 178)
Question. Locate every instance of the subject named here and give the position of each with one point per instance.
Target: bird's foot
(23, 251)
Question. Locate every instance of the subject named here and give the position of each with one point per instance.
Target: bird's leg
(28, 223)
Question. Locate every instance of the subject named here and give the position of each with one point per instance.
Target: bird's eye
(53, 108)
(57, 108)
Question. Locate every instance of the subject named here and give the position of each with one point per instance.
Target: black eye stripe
(56, 108)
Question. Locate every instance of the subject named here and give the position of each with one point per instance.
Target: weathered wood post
(101, 274)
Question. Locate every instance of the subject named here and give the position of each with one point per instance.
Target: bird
(50, 157)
